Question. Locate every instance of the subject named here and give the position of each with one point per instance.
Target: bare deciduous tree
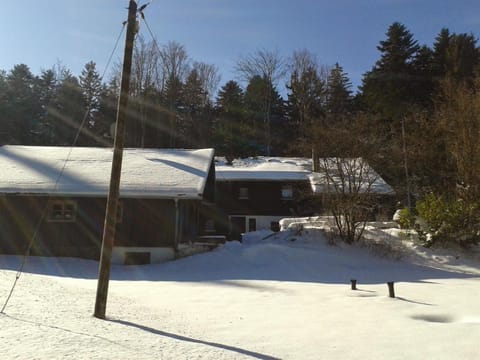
(209, 78)
(175, 66)
(459, 115)
(348, 183)
(145, 66)
(174, 63)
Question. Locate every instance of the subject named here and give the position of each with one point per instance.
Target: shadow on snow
(234, 262)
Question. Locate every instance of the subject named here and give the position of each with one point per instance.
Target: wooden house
(255, 193)
(57, 195)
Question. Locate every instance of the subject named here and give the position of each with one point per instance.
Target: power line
(150, 31)
(114, 49)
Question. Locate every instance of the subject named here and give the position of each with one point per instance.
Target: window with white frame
(62, 210)
(287, 192)
(243, 193)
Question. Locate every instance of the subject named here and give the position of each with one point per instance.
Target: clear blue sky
(41, 32)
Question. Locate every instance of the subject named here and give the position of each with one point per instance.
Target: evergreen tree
(231, 133)
(391, 91)
(387, 88)
(462, 57)
(440, 48)
(230, 99)
(456, 56)
(91, 87)
(106, 117)
(423, 80)
(4, 119)
(45, 88)
(261, 95)
(339, 94)
(192, 128)
(66, 110)
(21, 106)
(306, 99)
(264, 69)
(172, 99)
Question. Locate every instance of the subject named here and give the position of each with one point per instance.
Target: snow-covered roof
(146, 173)
(299, 169)
(263, 169)
(351, 173)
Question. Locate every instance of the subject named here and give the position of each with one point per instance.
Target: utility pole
(113, 195)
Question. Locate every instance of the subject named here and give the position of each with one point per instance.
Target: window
(287, 192)
(252, 224)
(62, 210)
(243, 193)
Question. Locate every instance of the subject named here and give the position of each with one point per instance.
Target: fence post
(391, 290)
(354, 284)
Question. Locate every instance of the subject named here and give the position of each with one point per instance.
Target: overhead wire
(150, 30)
(57, 180)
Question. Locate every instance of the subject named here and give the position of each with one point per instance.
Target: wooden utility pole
(113, 195)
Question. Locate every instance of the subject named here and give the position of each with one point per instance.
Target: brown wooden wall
(145, 223)
(264, 197)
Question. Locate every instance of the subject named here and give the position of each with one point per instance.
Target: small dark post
(112, 200)
(354, 284)
(391, 290)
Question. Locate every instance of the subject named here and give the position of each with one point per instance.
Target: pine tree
(21, 105)
(339, 93)
(230, 98)
(387, 88)
(462, 57)
(91, 86)
(306, 99)
(423, 80)
(172, 99)
(230, 132)
(263, 69)
(262, 98)
(390, 90)
(45, 88)
(66, 110)
(192, 128)
(106, 117)
(440, 48)
(4, 118)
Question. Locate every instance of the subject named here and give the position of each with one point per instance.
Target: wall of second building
(261, 197)
(259, 205)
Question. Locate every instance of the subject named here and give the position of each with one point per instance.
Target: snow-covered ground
(286, 297)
